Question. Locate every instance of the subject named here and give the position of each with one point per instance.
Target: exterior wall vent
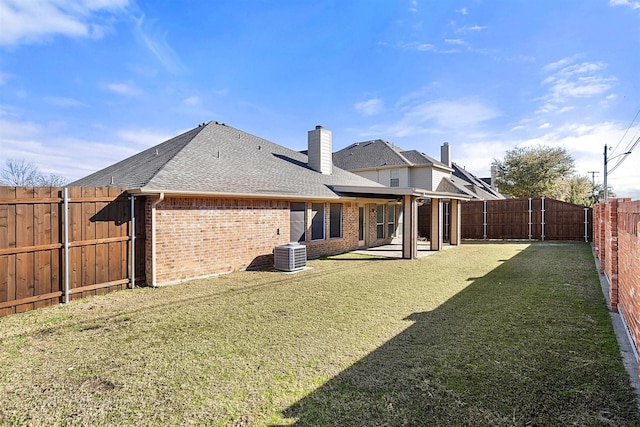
(290, 257)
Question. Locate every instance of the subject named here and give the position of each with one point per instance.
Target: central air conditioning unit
(290, 257)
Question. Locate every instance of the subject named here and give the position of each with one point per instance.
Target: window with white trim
(394, 180)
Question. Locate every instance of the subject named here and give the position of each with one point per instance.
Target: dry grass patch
(499, 334)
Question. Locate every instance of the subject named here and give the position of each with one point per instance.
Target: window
(395, 178)
(380, 221)
(317, 221)
(297, 222)
(391, 220)
(335, 220)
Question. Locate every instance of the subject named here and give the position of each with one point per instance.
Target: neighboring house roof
(381, 154)
(468, 183)
(218, 159)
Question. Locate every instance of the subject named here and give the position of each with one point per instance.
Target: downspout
(155, 203)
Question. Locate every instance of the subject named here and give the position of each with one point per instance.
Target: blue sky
(86, 83)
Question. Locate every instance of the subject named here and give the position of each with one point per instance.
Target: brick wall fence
(616, 231)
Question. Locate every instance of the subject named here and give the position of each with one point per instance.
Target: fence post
(66, 244)
(542, 236)
(133, 241)
(586, 224)
(530, 219)
(484, 217)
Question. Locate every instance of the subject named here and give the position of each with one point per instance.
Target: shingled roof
(480, 187)
(218, 159)
(379, 153)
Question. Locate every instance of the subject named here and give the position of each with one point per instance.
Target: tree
(20, 173)
(578, 190)
(534, 172)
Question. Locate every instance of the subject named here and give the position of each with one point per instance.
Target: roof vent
(290, 257)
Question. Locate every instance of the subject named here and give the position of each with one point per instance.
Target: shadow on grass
(530, 343)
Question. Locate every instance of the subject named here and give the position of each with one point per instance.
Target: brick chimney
(445, 154)
(320, 154)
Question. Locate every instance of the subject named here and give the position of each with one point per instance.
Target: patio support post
(455, 222)
(436, 224)
(410, 227)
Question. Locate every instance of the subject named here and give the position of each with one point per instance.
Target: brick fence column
(611, 250)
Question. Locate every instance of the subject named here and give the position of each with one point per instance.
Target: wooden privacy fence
(58, 244)
(537, 218)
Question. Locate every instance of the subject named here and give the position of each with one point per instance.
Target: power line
(625, 132)
(625, 155)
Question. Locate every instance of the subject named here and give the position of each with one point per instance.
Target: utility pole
(605, 174)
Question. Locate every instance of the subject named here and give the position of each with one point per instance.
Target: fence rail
(536, 218)
(55, 248)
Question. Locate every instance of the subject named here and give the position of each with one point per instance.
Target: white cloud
(630, 3)
(456, 42)
(413, 6)
(370, 107)
(60, 101)
(26, 21)
(452, 114)
(122, 88)
(419, 46)
(544, 126)
(471, 28)
(420, 117)
(47, 146)
(4, 77)
(142, 138)
(570, 81)
(156, 42)
(463, 11)
(192, 101)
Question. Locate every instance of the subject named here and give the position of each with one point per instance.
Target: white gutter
(275, 195)
(155, 203)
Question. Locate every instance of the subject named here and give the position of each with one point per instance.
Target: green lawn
(482, 334)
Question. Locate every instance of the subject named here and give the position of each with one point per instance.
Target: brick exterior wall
(617, 246)
(199, 237)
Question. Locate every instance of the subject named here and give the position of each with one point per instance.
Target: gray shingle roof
(379, 153)
(216, 158)
(481, 188)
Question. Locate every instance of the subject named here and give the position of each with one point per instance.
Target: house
(387, 164)
(218, 199)
(464, 181)
(383, 162)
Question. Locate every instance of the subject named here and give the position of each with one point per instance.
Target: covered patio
(410, 198)
(394, 249)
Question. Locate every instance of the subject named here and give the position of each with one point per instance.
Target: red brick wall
(198, 237)
(617, 246)
(629, 266)
(611, 250)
